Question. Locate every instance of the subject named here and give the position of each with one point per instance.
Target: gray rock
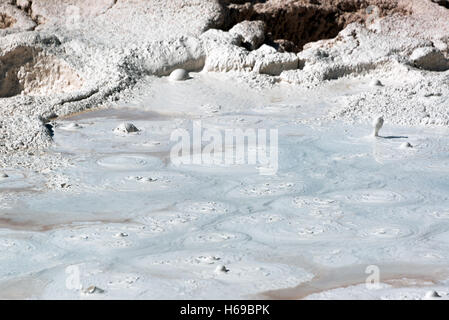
(126, 128)
(429, 58)
(252, 33)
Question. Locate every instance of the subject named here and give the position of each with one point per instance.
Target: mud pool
(137, 226)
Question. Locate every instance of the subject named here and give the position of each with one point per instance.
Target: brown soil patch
(6, 21)
(293, 23)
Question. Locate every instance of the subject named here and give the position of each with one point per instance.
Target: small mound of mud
(6, 21)
(179, 75)
(293, 23)
(126, 128)
(30, 71)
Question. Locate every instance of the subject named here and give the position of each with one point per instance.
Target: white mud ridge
(91, 206)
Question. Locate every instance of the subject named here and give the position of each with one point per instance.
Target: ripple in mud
(266, 189)
(226, 122)
(205, 207)
(318, 207)
(320, 230)
(301, 202)
(97, 236)
(371, 196)
(256, 219)
(276, 108)
(441, 214)
(149, 180)
(391, 231)
(167, 220)
(278, 228)
(72, 126)
(308, 206)
(310, 231)
(122, 162)
(384, 152)
(215, 237)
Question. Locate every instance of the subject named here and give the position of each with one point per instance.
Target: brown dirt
(6, 21)
(293, 23)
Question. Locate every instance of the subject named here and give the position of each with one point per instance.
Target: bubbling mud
(162, 229)
(127, 162)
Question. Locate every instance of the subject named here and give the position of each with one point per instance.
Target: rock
(376, 83)
(179, 75)
(405, 145)
(429, 58)
(126, 128)
(432, 295)
(92, 290)
(266, 50)
(210, 108)
(252, 33)
(3, 175)
(13, 19)
(283, 45)
(160, 58)
(273, 63)
(265, 60)
(146, 179)
(121, 235)
(221, 269)
(23, 4)
(229, 58)
(214, 37)
(207, 259)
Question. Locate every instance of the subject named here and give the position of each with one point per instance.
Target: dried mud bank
(62, 57)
